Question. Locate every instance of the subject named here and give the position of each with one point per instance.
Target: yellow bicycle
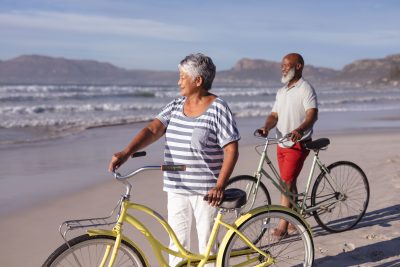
(247, 242)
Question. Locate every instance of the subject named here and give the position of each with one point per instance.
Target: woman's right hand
(117, 160)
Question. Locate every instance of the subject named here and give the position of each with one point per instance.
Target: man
(295, 111)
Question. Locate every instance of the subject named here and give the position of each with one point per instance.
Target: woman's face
(186, 84)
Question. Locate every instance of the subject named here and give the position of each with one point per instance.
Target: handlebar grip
(138, 154)
(173, 167)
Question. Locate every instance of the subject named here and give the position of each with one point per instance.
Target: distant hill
(35, 69)
(257, 72)
(385, 71)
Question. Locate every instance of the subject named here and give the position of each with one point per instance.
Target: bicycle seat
(233, 198)
(317, 144)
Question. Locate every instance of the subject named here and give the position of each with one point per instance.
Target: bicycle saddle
(317, 144)
(233, 198)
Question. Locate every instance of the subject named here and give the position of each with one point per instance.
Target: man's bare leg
(283, 225)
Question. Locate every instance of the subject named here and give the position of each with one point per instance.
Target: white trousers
(181, 209)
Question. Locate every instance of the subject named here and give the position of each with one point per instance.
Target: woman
(200, 132)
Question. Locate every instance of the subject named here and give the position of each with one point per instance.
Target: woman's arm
(148, 135)
(231, 155)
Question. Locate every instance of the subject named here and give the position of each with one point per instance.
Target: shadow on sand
(371, 253)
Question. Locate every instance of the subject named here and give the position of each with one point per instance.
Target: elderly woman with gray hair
(201, 133)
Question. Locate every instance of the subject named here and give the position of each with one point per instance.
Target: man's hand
(263, 131)
(296, 135)
(215, 196)
(117, 160)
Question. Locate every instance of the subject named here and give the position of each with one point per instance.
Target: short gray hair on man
(199, 65)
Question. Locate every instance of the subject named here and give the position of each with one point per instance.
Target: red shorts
(290, 161)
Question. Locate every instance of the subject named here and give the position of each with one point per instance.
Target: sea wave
(27, 93)
(359, 100)
(77, 108)
(74, 122)
(68, 108)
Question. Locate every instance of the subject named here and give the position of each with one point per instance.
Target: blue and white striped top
(196, 142)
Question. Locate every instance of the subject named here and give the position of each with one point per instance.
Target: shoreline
(330, 122)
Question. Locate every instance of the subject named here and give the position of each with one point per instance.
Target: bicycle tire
(349, 186)
(246, 183)
(89, 251)
(296, 249)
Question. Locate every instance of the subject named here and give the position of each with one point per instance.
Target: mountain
(34, 69)
(385, 71)
(257, 72)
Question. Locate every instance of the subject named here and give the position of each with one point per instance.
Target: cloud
(96, 25)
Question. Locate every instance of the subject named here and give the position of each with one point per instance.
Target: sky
(156, 35)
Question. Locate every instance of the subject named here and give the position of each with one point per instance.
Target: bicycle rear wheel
(295, 249)
(88, 251)
(343, 194)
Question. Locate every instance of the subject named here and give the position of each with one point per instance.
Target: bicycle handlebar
(123, 178)
(120, 177)
(271, 139)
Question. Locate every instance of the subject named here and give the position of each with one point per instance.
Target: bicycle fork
(113, 249)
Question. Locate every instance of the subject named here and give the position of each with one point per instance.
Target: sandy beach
(45, 183)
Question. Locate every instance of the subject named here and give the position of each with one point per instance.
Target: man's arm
(270, 123)
(311, 118)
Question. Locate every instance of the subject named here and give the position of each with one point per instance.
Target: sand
(65, 179)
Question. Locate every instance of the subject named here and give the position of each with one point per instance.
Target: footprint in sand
(322, 250)
(348, 247)
(370, 236)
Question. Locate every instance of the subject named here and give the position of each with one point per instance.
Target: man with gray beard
(294, 112)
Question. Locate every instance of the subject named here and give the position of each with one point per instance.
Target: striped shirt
(196, 142)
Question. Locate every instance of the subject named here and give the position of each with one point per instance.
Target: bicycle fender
(254, 212)
(96, 232)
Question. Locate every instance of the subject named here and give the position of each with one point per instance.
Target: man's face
(286, 66)
(288, 70)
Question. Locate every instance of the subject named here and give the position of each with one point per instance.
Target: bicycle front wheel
(88, 251)
(294, 249)
(342, 195)
(256, 197)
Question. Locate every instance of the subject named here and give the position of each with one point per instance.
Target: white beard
(288, 77)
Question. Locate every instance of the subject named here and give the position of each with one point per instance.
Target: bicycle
(339, 196)
(248, 241)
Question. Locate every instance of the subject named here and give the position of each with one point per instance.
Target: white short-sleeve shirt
(291, 106)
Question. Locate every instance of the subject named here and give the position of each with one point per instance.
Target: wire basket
(81, 224)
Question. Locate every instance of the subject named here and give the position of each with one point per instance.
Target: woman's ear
(199, 81)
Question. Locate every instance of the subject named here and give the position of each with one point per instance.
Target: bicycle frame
(300, 206)
(157, 247)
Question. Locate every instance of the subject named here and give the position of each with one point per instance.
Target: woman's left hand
(215, 196)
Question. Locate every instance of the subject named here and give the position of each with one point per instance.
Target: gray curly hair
(199, 65)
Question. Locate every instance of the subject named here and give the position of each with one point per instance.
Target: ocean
(39, 112)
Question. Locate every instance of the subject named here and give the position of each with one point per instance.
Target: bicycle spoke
(348, 185)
